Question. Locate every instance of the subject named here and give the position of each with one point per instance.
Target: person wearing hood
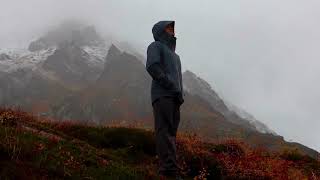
(164, 66)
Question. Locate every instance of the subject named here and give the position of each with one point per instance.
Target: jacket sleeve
(181, 80)
(182, 95)
(153, 66)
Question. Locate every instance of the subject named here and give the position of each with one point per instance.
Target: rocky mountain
(72, 65)
(36, 79)
(71, 73)
(119, 94)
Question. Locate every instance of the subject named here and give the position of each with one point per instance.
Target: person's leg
(163, 110)
(176, 119)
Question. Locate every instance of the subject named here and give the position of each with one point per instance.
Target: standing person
(164, 66)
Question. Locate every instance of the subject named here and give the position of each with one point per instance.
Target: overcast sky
(260, 55)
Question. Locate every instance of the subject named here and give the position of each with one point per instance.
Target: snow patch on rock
(22, 58)
(96, 54)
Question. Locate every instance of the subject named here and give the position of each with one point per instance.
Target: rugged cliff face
(71, 65)
(121, 93)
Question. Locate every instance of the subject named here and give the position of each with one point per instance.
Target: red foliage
(235, 159)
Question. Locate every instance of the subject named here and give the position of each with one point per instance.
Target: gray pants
(166, 111)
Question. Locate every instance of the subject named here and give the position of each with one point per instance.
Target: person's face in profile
(170, 30)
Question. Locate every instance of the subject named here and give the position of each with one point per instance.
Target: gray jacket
(164, 65)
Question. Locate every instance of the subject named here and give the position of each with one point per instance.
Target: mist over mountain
(69, 32)
(197, 86)
(261, 56)
(72, 73)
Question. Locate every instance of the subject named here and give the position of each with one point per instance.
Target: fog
(259, 55)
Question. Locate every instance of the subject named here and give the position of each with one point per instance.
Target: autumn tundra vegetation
(44, 148)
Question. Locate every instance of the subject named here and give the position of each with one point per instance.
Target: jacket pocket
(169, 82)
(173, 83)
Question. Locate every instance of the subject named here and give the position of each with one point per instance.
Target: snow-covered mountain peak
(13, 53)
(22, 58)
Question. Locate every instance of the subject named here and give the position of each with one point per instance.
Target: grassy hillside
(32, 148)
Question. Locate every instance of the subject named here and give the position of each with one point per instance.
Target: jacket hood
(160, 35)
